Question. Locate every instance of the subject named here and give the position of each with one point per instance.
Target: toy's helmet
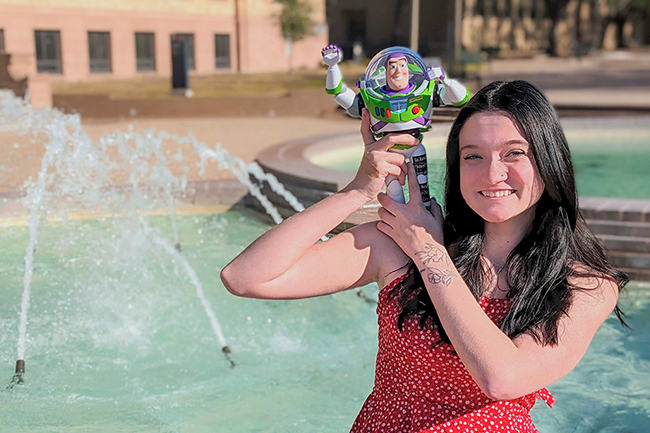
(408, 109)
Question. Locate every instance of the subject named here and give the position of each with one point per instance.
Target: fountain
(126, 324)
(84, 176)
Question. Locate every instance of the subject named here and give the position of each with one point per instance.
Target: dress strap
(528, 401)
(394, 283)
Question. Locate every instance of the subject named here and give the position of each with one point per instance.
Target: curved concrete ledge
(310, 183)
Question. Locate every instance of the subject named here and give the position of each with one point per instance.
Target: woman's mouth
(497, 193)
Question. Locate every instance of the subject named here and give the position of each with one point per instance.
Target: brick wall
(261, 46)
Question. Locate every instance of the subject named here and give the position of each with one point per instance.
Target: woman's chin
(498, 216)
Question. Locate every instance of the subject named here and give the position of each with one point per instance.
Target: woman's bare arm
(289, 262)
(504, 368)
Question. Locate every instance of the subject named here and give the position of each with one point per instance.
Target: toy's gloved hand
(332, 55)
(436, 73)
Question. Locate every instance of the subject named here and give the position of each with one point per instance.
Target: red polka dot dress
(424, 388)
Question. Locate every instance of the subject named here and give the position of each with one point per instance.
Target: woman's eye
(471, 156)
(516, 153)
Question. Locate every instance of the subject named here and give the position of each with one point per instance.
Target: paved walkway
(610, 79)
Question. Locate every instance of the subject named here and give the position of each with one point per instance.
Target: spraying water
(159, 240)
(77, 172)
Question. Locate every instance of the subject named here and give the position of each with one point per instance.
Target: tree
(618, 13)
(295, 23)
(555, 9)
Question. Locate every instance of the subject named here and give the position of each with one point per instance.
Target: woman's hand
(411, 225)
(378, 162)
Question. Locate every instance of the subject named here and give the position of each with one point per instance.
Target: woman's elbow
(501, 387)
(229, 280)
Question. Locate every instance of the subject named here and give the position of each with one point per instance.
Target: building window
(48, 51)
(2, 40)
(189, 38)
(145, 51)
(99, 50)
(222, 45)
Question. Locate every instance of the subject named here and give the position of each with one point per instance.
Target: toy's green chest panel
(399, 108)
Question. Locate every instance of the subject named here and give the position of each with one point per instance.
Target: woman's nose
(496, 171)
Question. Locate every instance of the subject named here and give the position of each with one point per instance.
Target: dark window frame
(44, 61)
(2, 40)
(145, 63)
(100, 64)
(222, 59)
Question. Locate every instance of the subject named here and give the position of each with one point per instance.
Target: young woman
(480, 309)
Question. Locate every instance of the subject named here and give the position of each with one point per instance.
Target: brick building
(80, 40)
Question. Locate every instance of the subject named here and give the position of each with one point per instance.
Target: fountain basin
(117, 341)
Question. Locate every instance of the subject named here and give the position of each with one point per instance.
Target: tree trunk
(555, 10)
(579, 22)
(620, 37)
(288, 50)
(552, 40)
(603, 32)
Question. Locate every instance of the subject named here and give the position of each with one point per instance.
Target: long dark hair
(558, 247)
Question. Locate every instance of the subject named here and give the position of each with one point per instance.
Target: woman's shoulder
(592, 287)
(386, 256)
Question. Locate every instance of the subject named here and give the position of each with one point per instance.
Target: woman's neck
(502, 238)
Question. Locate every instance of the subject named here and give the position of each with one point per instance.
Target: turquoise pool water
(611, 157)
(119, 342)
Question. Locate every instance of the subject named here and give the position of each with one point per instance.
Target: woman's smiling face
(499, 179)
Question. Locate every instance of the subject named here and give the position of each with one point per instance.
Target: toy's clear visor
(375, 78)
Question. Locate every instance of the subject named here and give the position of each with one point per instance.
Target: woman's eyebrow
(513, 142)
(516, 141)
(469, 146)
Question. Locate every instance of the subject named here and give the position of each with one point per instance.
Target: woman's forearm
(276, 251)
(488, 353)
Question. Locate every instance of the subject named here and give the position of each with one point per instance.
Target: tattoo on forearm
(438, 276)
(433, 254)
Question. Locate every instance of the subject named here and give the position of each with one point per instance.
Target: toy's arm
(334, 85)
(452, 92)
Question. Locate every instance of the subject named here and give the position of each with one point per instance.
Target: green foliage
(641, 5)
(625, 6)
(295, 21)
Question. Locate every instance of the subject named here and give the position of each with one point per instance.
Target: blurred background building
(84, 40)
(496, 27)
(79, 40)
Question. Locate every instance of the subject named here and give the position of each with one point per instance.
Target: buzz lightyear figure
(400, 93)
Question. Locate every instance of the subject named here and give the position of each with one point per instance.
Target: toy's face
(397, 91)
(397, 73)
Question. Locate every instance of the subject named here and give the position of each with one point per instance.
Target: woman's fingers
(415, 196)
(390, 140)
(388, 203)
(402, 176)
(376, 157)
(384, 228)
(366, 133)
(387, 141)
(384, 163)
(436, 210)
(385, 215)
